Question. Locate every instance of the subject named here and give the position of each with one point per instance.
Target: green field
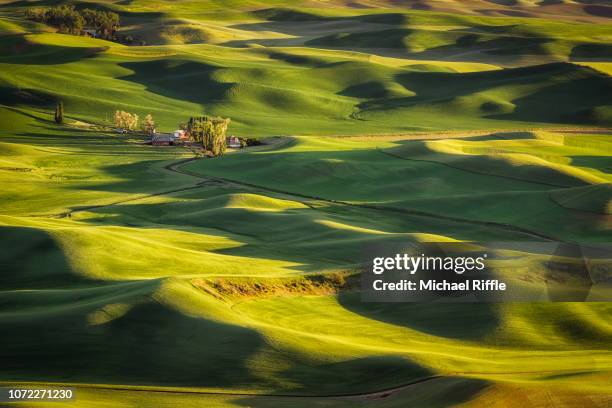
(143, 276)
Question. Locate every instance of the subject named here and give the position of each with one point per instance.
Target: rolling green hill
(281, 70)
(110, 276)
(144, 276)
(274, 93)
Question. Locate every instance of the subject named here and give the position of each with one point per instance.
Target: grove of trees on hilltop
(68, 20)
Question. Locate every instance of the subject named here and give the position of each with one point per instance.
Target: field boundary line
(482, 173)
(178, 390)
(507, 227)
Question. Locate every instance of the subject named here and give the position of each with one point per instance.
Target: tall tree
(149, 124)
(59, 112)
(210, 131)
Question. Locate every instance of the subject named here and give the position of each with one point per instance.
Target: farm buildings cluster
(181, 137)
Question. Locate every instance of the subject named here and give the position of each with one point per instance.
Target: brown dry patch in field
(240, 287)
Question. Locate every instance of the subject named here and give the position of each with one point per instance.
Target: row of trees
(126, 120)
(129, 121)
(71, 21)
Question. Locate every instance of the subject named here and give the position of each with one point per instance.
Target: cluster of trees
(106, 23)
(129, 121)
(249, 141)
(71, 21)
(210, 131)
(126, 120)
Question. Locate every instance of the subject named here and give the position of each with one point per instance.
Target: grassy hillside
(145, 277)
(275, 93)
(330, 70)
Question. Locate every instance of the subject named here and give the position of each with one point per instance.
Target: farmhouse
(162, 139)
(233, 142)
(180, 135)
(90, 33)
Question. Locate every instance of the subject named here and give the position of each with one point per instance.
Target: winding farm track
(170, 390)
(378, 394)
(508, 227)
(205, 180)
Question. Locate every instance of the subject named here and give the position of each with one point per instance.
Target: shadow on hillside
(150, 344)
(390, 34)
(301, 60)
(179, 79)
(595, 52)
(465, 321)
(566, 84)
(432, 86)
(575, 99)
(286, 15)
(17, 49)
(598, 10)
(302, 26)
(48, 334)
(602, 163)
(290, 236)
(13, 96)
(466, 45)
(64, 136)
(441, 392)
(36, 260)
(59, 336)
(390, 38)
(80, 140)
(502, 46)
(368, 90)
(353, 375)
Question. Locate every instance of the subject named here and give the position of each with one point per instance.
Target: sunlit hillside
(145, 275)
